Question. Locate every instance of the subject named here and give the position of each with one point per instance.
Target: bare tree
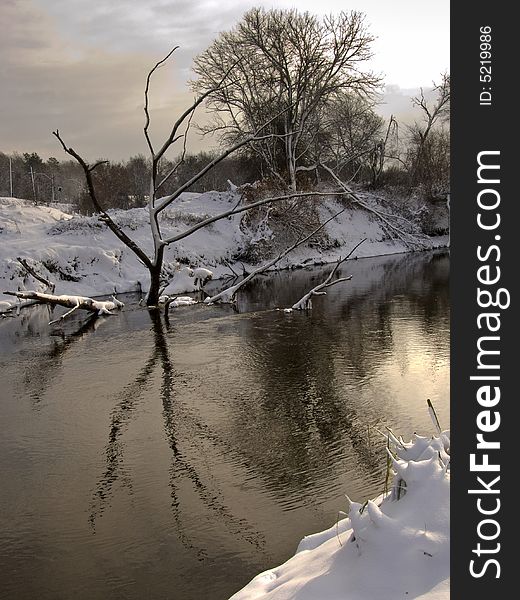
(383, 150)
(427, 142)
(156, 203)
(351, 132)
(284, 63)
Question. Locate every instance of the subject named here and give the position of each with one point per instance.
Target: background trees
(352, 131)
(428, 156)
(286, 67)
(300, 77)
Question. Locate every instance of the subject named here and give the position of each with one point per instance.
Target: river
(144, 458)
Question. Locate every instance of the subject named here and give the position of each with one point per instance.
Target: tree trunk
(291, 162)
(152, 297)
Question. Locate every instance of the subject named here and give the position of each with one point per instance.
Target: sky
(80, 65)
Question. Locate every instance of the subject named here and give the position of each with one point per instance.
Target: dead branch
(99, 307)
(409, 239)
(105, 217)
(237, 210)
(48, 284)
(306, 301)
(234, 273)
(146, 99)
(229, 294)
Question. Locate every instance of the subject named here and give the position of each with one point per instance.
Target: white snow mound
(394, 547)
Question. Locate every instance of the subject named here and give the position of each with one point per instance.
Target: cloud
(94, 96)
(151, 26)
(79, 66)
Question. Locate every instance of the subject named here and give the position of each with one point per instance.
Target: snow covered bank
(394, 547)
(82, 256)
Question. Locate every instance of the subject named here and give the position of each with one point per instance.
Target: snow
(202, 274)
(391, 548)
(81, 256)
(177, 301)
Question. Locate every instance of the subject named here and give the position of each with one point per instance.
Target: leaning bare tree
(156, 203)
(284, 63)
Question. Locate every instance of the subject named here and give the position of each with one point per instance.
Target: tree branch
(235, 211)
(306, 301)
(409, 239)
(228, 295)
(146, 100)
(48, 284)
(105, 217)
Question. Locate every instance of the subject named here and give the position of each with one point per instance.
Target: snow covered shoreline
(82, 257)
(396, 546)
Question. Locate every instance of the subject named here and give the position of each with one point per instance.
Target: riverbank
(81, 256)
(394, 547)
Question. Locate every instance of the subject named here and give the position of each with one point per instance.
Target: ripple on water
(141, 457)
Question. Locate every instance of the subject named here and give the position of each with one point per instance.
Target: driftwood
(306, 301)
(99, 307)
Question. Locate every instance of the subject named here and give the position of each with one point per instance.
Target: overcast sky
(79, 65)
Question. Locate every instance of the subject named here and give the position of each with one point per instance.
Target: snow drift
(394, 547)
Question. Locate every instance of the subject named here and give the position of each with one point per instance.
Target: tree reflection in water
(175, 414)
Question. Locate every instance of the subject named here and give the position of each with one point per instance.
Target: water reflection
(39, 373)
(175, 417)
(193, 452)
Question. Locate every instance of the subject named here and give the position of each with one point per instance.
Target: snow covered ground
(392, 548)
(83, 257)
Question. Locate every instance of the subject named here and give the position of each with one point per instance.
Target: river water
(144, 458)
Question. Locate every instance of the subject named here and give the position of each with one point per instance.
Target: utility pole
(11, 176)
(33, 186)
(51, 178)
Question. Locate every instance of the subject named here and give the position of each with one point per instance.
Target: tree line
(303, 81)
(121, 184)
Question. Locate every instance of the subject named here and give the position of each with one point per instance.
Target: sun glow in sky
(79, 65)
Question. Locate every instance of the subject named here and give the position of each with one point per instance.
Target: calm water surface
(175, 460)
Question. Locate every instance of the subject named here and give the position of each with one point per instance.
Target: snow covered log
(176, 301)
(100, 307)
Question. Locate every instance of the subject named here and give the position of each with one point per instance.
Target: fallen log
(100, 307)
